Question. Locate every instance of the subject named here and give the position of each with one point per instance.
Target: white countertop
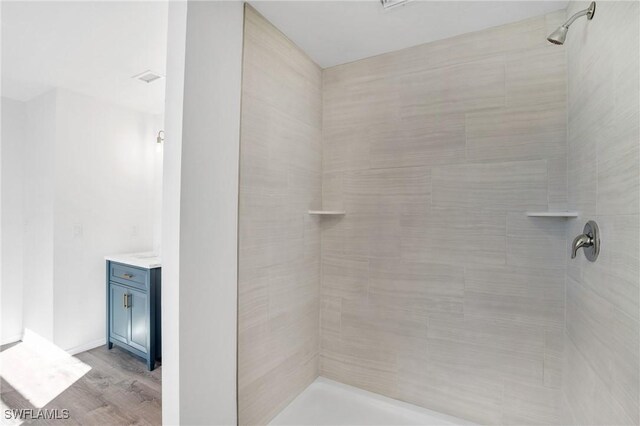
(146, 260)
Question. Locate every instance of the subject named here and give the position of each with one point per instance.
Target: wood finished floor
(118, 390)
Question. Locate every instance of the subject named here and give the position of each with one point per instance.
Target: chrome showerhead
(559, 35)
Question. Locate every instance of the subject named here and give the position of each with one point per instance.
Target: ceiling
(337, 32)
(92, 48)
(96, 47)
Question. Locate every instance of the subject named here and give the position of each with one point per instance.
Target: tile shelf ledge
(328, 212)
(565, 215)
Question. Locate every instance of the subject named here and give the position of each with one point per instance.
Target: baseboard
(86, 346)
(28, 335)
(12, 339)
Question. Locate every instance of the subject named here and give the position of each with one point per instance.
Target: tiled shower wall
(603, 299)
(279, 259)
(436, 287)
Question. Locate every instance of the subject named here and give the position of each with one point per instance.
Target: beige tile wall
(436, 288)
(602, 357)
(279, 259)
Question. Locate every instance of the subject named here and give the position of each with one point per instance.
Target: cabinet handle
(124, 300)
(129, 276)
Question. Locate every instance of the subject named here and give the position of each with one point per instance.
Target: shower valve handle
(589, 241)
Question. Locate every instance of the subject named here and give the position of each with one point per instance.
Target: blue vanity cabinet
(133, 310)
(119, 314)
(139, 308)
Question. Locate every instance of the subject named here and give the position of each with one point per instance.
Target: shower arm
(574, 17)
(588, 11)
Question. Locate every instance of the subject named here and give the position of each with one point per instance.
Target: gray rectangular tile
(344, 277)
(420, 139)
(535, 242)
(511, 186)
(474, 85)
(524, 133)
(417, 287)
(454, 236)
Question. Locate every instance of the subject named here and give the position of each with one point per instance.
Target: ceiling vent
(390, 4)
(147, 76)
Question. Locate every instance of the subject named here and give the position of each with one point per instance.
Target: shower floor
(326, 402)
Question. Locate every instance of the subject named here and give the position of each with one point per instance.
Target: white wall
(38, 215)
(14, 116)
(203, 274)
(90, 188)
(171, 213)
(105, 202)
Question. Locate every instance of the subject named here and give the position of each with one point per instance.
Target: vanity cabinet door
(139, 307)
(119, 315)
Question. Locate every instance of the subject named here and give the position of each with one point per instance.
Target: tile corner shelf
(565, 215)
(327, 212)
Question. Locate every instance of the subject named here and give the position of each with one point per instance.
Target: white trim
(86, 346)
(12, 339)
(27, 335)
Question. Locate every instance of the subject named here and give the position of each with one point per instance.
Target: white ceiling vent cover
(147, 76)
